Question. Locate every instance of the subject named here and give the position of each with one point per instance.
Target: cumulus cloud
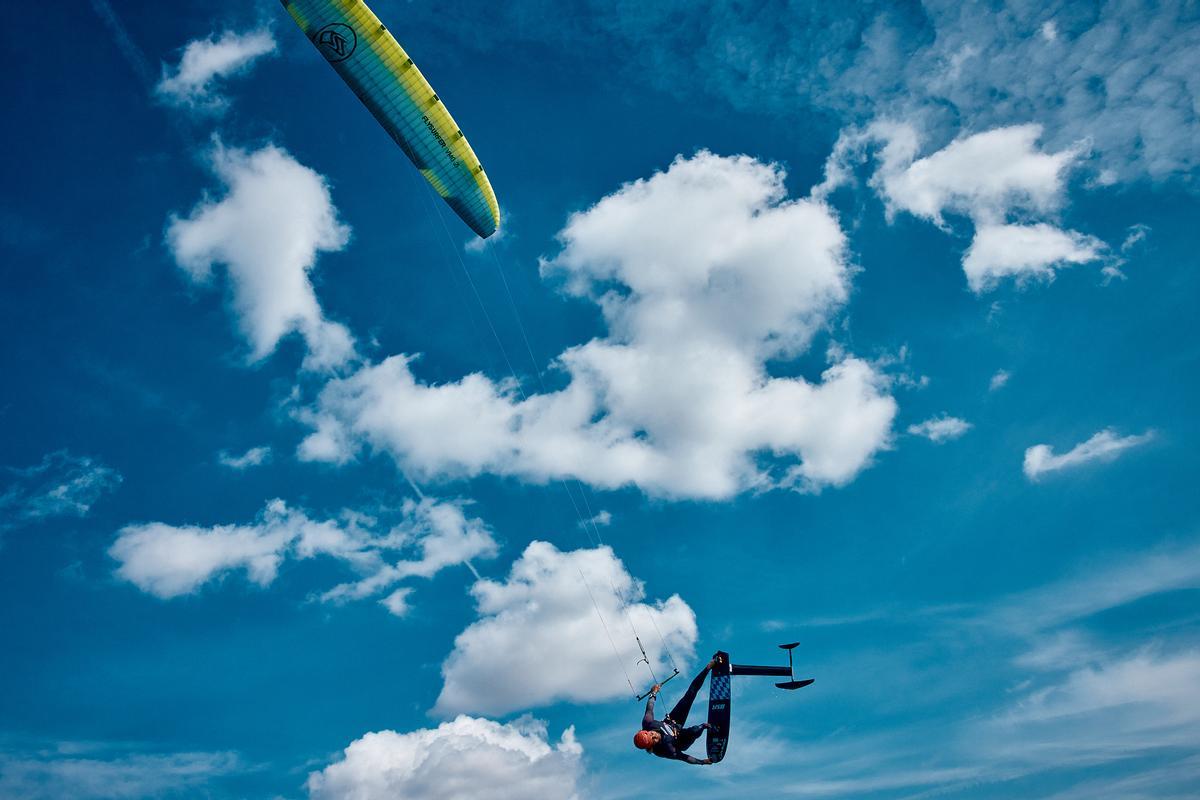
(196, 81)
(169, 561)
(546, 605)
(1024, 252)
(940, 429)
(61, 485)
(275, 217)
(466, 757)
(999, 380)
(255, 456)
(986, 176)
(998, 179)
(703, 273)
(1103, 446)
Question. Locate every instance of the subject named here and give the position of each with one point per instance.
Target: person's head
(644, 740)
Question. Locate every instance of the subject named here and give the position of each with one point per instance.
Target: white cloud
(1075, 693)
(255, 456)
(397, 602)
(477, 245)
(1024, 252)
(998, 179)
(1135, 235)
(62, 485)
(1124, 74)
(601, 519)
(169, 561)
(195, 82)
(1119, 708)
(268, 228)
(1103, 586)
(986, 176)
(499, 662)
(1069, 702)
(1103, 446)
(999, 380)
(1171, 779)
(703, 273)
(1084, 702)
(55, 775)
(466, 757)
(442, 535)
(133, 55)
(940, 429)
(1164, 684)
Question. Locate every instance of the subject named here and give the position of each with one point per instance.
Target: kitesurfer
(668, 738)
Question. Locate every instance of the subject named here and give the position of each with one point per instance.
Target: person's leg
(688, 736)
(679, 713)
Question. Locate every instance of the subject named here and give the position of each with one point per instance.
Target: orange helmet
(643, 740)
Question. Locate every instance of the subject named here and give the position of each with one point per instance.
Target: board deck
(719, 698)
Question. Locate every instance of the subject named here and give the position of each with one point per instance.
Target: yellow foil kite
(386, 80)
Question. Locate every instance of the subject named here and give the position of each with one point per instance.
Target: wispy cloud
(1065, 700)
(93, 773)
(194, 83)
(169, 561)
(62, 485)
(999, 380)
(1135, 236)
(601, 519)
(940, 429)
(255, 456)
(132, 54)
(1103, 446)
(1121, 75)
(1088, 703)
(1174, 779)
(1107, 585)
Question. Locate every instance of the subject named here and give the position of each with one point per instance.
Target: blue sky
(871, 328)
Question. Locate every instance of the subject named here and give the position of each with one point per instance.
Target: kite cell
(386, 80)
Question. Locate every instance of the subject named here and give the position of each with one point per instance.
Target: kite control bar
(779, 672)
(643, 696)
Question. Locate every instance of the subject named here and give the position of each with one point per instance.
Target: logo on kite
(336, 42)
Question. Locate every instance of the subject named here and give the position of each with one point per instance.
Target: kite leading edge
(376, 68)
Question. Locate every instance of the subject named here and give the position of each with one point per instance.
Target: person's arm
(692, 759)
(648, 717)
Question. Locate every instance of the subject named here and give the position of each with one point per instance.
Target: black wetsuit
(675, 737)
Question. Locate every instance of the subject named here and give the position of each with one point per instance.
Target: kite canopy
(386, 80)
